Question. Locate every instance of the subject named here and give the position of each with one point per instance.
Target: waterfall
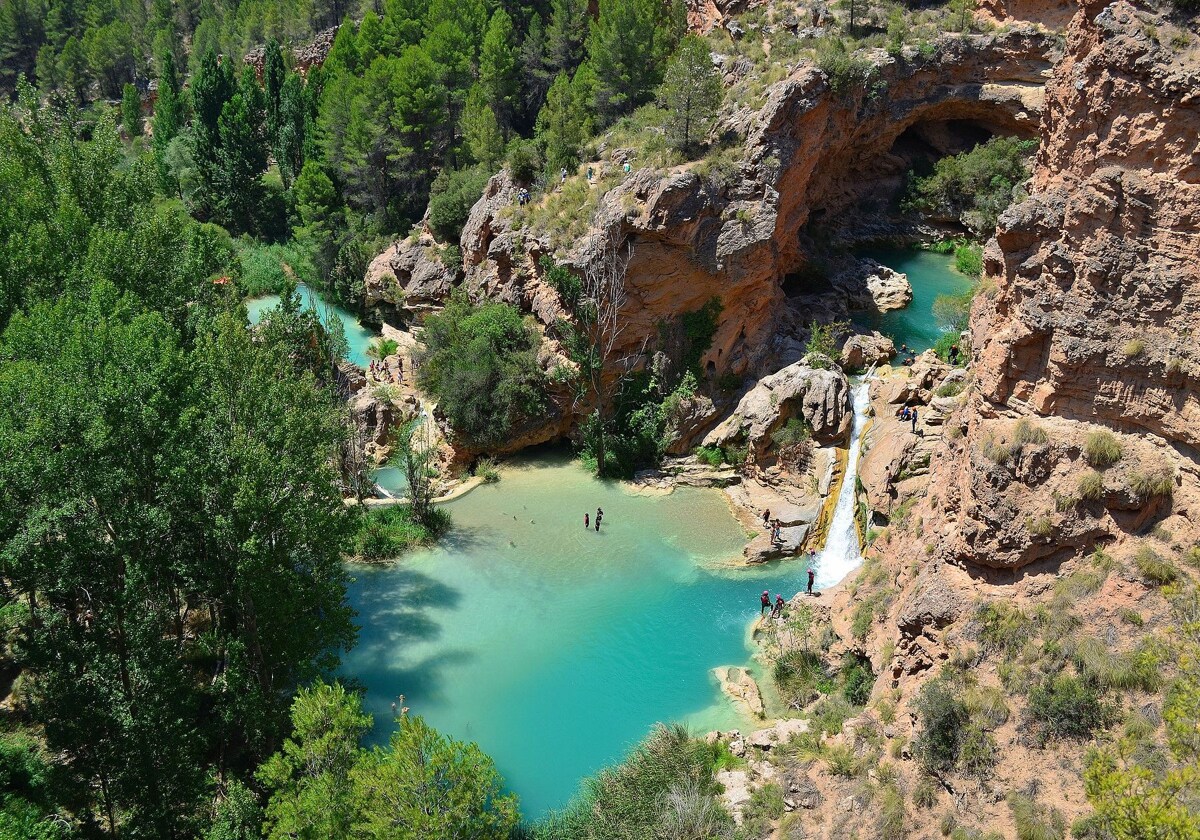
(841, 553)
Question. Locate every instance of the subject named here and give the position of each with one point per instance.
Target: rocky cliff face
(1091, 325)
(1075, 430)
(811, 152)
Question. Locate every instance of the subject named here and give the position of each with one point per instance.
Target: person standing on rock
(778, 611)
(913, 417)
(766, 517)
(811, 577)
(765, 599)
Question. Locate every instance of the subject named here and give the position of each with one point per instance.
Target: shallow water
(358, 337)
(555, 648)
(930, 275)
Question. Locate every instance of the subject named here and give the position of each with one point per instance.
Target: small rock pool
(930, 275)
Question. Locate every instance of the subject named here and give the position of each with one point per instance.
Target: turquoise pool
(930, 275)
(358, 337)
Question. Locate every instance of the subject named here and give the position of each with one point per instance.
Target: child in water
(586, 522)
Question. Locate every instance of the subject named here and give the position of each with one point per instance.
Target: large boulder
(819, 395)
(409, 279)
(865, 349)
(889, 289)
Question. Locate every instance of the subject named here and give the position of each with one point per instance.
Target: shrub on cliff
(1066, 706)
(480, 363)
(974, 187)
(451, 199)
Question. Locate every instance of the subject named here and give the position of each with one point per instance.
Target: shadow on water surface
(399, 611)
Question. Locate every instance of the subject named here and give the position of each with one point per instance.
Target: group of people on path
(379, 371)
(587, 519)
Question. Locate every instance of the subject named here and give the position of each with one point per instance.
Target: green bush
(846, 71)
(892, 816)
(765, 806)
(1066, 706)
(857, 679)
(968, 259)
(453, 195)
(1033, 822)
(800, 677)
(925, 792)
(645, 793)
(480, 363)
(1137, 669)
(975, 187)
(823, 341)
(523, 160)
(487, 470)
(710, 455)
(1026, 432)
(387, 532)
(943, 719)
(1152, 481)
(272, 269)
(1102, 449)
(950, 389)
(841, 760)
(1004, 627)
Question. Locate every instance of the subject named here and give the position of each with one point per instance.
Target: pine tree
(343, 53)
(620, 53)
(291, 137)
(498, 66)
(563, 124)
(370, 39)
(401, 25)
(72, 63)
(691, 92)
(131, 110)
(480, 129)
(565, 35)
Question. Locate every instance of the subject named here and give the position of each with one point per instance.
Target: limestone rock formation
(820, 396)
(408, 280)
(863, 350)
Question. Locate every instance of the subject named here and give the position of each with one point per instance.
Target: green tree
(237, 189)
(619, 45)
(168, 108)
(109, 56)
(565, 35)
(498, 66)
(691, 93)
(273, 76)
(564, 122)
(72, 65)
(427, 785)
(370, 38)
(309, 777)
(343, 53)
(291, 137)
(401, 25)
(481, 362)
(131, 110)
(422, 784)
(480, 129)
(975, 187)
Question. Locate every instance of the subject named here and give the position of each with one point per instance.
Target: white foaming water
(841, 553)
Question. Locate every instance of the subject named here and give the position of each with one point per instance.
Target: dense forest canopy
(415, 100)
